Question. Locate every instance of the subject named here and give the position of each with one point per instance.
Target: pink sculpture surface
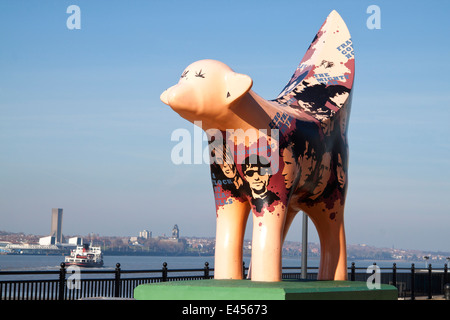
(276, 157)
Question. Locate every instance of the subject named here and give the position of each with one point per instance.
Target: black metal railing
(411, 282)
(75, 283)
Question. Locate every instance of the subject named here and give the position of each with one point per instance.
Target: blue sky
(82, 127)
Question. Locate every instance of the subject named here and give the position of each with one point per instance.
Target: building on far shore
(145, 234)
(175, 232)
(56, 230)
(53, 244)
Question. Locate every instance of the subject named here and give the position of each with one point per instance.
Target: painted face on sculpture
(224, 158)
(258, 178)
(291, 167)
(229, 170)
(340, 172)
(308, 163)
(324, 174)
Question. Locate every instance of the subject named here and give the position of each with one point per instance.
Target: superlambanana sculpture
(276, 157)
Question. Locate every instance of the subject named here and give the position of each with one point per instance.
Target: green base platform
(252, 290)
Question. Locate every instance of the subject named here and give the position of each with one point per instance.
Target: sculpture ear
(237, 85)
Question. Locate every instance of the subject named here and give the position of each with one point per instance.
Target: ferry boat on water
(85, 256)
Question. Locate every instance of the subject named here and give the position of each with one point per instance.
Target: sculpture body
(276, 157)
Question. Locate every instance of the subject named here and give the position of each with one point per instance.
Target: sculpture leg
(266, 246)
(230, 230)
(333, 252)
(289, 218)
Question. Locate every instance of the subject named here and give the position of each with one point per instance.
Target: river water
(42, 262)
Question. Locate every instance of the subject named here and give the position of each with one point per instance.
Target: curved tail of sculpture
(322, 83)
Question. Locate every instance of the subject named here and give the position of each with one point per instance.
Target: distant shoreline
(204, 246)
(193, 254)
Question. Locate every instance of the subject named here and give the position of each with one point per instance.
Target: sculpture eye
(184, 74)
(200, 74)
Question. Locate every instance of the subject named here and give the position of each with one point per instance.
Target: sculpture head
(206, 90)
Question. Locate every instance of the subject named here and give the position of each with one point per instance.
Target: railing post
(447, 291)
(164, 272)
(394, 274)
(62, 282)
(206, 270)
(243, 269)
(117, 281)
(430, 282)
(353, 271)
(445, 273)
(412, 281)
